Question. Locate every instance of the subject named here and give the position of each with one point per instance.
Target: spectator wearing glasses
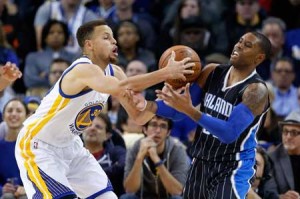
(156, 166)
(286, 158)
(286, 95)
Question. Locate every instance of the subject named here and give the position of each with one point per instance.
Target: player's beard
(113, 60)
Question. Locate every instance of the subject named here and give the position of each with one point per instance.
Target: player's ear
(259, 58)
(88, 43)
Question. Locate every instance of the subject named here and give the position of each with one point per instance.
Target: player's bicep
(255, 98)
(93, 77)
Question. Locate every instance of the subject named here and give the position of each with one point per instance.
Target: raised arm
(92, 76)
(255, 99)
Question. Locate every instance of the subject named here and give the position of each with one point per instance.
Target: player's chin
(113, 59)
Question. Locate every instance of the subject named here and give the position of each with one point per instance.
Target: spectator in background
(247, 17)
(10, 22)
(102, 8)
(137, 67)
(6, 52)
(128, 40)
(286, 94)
(288, 11)
(210, 14)
(54, 39)
(124, 12)
(57, 67)
(130, 129)
(97, 139)
(197, 35)
(32, 103)
(286, 158)
(11, 186)
(156, 166)
(71, 12)
(274, 29)
(263, 174)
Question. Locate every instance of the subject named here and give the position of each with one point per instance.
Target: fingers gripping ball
(181, 52)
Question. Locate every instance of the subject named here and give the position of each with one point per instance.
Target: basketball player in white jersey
(50, 154)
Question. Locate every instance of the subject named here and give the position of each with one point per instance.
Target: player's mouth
(115, 51)
(234, 54)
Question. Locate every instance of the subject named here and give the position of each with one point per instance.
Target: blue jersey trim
(78, 94)
(111, 70)
(241, 177)
(109, 188)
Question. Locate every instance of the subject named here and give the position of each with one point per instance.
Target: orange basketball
(181, 52)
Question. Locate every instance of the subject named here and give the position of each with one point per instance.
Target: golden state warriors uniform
(50, 154)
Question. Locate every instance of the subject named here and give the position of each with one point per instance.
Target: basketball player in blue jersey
(234, 100)
(52, 160)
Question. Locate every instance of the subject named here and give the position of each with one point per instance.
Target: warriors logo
(86, 116)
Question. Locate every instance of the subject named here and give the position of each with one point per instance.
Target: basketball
(181, 52)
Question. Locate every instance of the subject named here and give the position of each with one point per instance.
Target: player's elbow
(230, 137)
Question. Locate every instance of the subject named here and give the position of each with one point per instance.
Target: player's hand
(166, 90)
(136, 98)
(10, 72)
(177, 69)
(180, 101)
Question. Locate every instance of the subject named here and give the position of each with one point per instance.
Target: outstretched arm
(92, 76)
(8, 74)
(254, 102)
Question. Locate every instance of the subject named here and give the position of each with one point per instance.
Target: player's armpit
(255, 98)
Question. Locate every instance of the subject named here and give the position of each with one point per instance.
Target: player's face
(14, 114)
(104, 45)
(245, 51)
(159, 129)
(96, 133)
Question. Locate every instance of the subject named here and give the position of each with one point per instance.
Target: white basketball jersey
(60, 118)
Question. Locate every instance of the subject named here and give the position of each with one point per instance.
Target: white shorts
(48, 171)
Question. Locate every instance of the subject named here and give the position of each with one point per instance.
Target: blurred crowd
(39, 37)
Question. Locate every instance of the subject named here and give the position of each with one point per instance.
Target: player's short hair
(265, 43)
(86, 30)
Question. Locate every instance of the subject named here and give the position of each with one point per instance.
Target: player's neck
(237, 75)
(102, 64)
